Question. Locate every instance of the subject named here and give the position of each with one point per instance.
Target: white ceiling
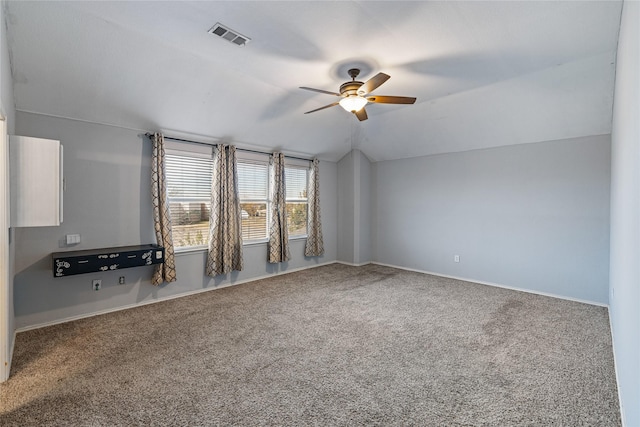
(486, 74)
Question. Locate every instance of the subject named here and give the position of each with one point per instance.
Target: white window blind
(252, 181)
(296, 183)
(188, 179)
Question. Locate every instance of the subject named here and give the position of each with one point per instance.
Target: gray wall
(346, 209)
(533, 216)
(107, 201)
(363, 216)
(354, 208)
(7, 108)
(625, 216)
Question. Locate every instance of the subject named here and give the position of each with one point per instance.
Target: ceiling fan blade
(373, 83)
(322, 108)
(320, 90)
(391, 99)
(361, 114)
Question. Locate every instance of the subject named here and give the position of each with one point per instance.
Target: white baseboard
(7, 371)
(166, 298)
(497, 285)
(615, 367)
(13, 346)
(352, 264)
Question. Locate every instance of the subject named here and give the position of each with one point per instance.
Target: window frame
(193, 151)
(259, 159)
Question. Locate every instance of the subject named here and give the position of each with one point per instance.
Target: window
(189, 177)
(296, 185)
(253, 189)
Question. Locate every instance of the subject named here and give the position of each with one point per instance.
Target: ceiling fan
(355, 96)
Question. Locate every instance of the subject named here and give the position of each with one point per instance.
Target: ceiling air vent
(229, 35)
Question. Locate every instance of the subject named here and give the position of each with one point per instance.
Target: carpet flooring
(330, 346)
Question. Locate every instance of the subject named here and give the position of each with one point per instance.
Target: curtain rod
(149, 135)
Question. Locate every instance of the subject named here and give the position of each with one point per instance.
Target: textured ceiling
(485, 74)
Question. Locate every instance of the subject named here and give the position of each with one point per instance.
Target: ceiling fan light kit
(354, 93)
(353, 103)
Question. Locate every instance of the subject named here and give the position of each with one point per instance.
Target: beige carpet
(334, 345)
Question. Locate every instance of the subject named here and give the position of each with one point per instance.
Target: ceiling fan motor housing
(350, 88)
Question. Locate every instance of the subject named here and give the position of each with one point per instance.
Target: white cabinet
(36, 181)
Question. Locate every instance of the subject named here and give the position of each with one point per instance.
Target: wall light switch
(456, 258)
(73, 239)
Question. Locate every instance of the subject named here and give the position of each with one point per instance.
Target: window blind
(188, 177)
(252, 181)
(296, 183)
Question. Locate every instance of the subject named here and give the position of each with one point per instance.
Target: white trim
(185, 250)
(188, 150)
(297, 164)
(5, 280)
(167, 298)
(497, 285)
(351, 264)
(615, 367)
(13, 346)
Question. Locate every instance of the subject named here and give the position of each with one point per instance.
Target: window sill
(255, 242)
(191, 250)
(197, 249)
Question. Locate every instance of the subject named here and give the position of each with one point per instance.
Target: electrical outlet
(96, 284)
(121, 280)
(456, 258)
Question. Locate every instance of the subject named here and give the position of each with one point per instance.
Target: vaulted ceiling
(485, 74)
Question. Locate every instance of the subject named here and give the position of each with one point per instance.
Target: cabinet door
(36, 181)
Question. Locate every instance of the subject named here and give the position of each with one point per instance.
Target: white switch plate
(73, 239)
(456, 258)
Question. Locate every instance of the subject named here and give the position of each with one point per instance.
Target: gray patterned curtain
(315, 245)
(225, 227)
(165, 272)
(278, 233)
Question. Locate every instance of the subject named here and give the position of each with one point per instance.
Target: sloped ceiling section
(485, 74)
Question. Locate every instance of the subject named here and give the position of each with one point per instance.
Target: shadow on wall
(40, 298)
(36, 291)
(147, 227)
(235, 276)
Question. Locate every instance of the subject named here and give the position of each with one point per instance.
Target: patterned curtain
(165, 272)
(315, 245)
(278, 234)
(225, 227)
